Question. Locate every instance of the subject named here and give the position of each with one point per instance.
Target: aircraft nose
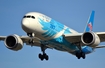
(25, 25)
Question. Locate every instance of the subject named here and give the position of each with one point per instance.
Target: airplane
(44, 32)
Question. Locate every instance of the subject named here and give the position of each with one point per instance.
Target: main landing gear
(80, 53)
(44, 55)
(43, 47)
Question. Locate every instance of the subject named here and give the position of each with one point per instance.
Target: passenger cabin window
(29, 17)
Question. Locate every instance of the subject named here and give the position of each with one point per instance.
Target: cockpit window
(29, 17)
(24, 17)
(33, 17)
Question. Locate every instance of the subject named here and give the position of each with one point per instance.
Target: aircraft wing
(101, 36)
(25, 39)
(74, 38)
(2, 37)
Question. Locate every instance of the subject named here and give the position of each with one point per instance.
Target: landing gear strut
(44, 55)
(32, 35)
(80, 53)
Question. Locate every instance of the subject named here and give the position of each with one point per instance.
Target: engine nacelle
(90, 39)
(13, 42)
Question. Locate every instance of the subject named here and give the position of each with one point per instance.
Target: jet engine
(90, 39)
(13, 42)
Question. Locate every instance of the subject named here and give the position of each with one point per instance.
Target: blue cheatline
(52, 28)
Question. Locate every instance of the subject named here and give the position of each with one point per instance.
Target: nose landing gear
(31, 35)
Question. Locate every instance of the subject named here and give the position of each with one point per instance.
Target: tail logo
(90, 22)
(90, 26)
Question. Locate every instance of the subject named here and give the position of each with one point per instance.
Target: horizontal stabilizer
(100, 47)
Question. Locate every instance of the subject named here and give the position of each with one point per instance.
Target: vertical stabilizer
(90, 22)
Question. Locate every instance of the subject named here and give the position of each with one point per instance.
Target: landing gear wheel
(83, 55)
(41, 57)
(78, 55)
(31, 34)
(44, 56)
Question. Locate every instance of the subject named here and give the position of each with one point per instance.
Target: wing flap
(100, 47)
(101, 36)
(73, 38)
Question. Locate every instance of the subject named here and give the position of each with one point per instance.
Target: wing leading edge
(73, 38)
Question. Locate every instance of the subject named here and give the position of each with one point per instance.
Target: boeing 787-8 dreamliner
(44, 32)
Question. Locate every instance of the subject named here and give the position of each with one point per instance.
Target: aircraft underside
(56, 44)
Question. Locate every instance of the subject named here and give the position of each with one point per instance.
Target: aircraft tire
(78, 55)
(46, 56)
(83, 55)
(41, 57)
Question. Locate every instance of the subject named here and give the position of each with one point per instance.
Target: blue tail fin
(89, 25)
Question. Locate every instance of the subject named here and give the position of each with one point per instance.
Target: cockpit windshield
(29, 17)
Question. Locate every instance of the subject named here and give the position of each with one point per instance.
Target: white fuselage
(49, 30)
(32, 25)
